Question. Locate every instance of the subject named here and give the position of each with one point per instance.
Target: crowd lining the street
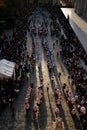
(71, 53)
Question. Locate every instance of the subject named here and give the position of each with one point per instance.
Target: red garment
(35, 109)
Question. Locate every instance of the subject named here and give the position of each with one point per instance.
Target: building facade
(80, 7)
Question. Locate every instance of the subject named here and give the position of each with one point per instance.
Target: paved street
(45, 117)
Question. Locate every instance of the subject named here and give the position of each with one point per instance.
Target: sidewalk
(78, 25)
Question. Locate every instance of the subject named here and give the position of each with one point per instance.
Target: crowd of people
(13, 50)
(71, 53)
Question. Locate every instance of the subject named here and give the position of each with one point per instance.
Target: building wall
(80, 7)
(44, 1)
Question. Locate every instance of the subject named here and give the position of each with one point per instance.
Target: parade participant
(59, 124)
(38, 101)
(58, 102)
(57, 112)
(67, 89)
(72, 101)
(73, 112)
(34, 111)
(56, 87)
(52, 79)
(27, 106)
(64, 86)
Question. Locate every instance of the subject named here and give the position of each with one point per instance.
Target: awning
(6, 68)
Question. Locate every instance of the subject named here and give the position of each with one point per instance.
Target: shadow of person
(51, 110)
